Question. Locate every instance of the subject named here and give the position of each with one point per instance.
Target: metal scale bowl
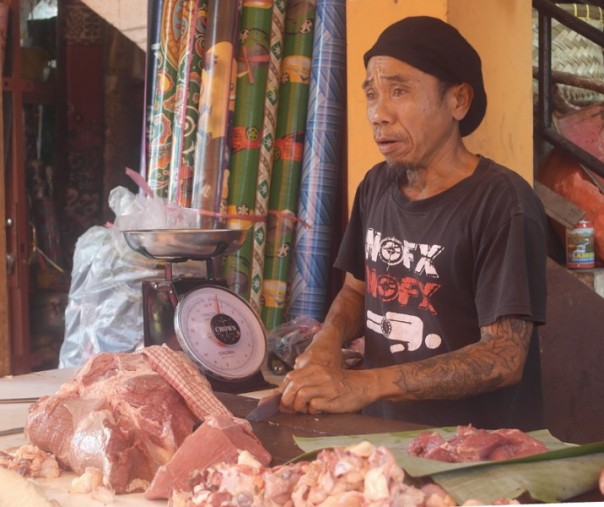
(214, 326)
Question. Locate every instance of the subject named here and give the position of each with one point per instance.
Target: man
(445, 256)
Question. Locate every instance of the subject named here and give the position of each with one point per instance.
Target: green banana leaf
(565, 471)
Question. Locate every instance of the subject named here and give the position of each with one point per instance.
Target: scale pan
(174, 245)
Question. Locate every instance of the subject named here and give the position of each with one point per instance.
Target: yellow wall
(500, 30)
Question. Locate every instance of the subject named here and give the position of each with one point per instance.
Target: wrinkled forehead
(389, 70)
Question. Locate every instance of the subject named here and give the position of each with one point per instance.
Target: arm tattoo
(495, 361)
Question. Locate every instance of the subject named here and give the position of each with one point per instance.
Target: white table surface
(13, 415)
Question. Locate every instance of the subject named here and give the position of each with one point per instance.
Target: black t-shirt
(439, 268)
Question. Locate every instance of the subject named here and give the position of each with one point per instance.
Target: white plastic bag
(104, 311)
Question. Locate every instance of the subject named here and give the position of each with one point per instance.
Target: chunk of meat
(219, 439)
(430, 445)
(31, 461)
(470, 444)
(118, 415)
(425, 442)
(475, 445)
(518, 444)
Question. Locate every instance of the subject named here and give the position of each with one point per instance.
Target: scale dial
(221, 332)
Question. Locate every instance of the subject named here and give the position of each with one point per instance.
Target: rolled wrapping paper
(164, 92)
(186, 101)
(287, 160)
(265, 165)
(322, 167)
(185, 175)
(210, 173)
(155, 9)
(246, 132)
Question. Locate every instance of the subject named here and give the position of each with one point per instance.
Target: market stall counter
(279, 435)
(17, 393)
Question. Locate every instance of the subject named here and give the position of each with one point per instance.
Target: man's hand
(323, 351)
(316, 389)
(343, 322)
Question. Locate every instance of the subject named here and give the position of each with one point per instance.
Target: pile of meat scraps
(30, 461)
(359, 475)
(471, 444)
(126, 415)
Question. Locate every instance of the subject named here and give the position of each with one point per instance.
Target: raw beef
(472, 444)
(221, 438)
(359, 475)
(30, 461)
(117, 415)
(128, 414)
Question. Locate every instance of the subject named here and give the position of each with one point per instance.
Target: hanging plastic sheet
(210, 175)
(322, 166)
(289, 146)
(161, 113)
(265, 165)
(246, 133)
(190, 61)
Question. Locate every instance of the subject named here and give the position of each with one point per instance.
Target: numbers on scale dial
(222, 331)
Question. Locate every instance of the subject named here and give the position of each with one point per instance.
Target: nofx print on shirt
(410, 293)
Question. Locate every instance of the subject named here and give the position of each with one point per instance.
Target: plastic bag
(287, 341)
(104, 311)
(290, 339)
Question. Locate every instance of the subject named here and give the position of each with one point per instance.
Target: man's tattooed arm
(497, 360)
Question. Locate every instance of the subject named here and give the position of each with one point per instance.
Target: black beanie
(435, 47)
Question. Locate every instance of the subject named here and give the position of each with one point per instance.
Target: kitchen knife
(267, 407)
(17, 400)
(11, 431)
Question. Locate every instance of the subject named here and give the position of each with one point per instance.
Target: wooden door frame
(5, 346)
(15, 238)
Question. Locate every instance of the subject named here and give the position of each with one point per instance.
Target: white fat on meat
(31, 461)
(91, 482)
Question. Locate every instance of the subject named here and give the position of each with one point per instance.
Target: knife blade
(11, 431)
(267, 407)
(7, 401)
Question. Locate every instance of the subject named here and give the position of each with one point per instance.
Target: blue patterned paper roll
(322, 164)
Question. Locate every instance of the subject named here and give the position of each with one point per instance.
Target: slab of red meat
(471, 444)
(219, 439)
(118, 415)
(425, 442)
(518, 444)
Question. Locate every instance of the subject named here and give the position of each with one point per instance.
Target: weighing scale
(213, 325)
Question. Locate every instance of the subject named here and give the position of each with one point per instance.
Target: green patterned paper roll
(287, 163)
(246, 133)
(265, 165)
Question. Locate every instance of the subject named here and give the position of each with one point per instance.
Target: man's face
(412, 119)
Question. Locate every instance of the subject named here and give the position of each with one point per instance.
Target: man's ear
(462, 95)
